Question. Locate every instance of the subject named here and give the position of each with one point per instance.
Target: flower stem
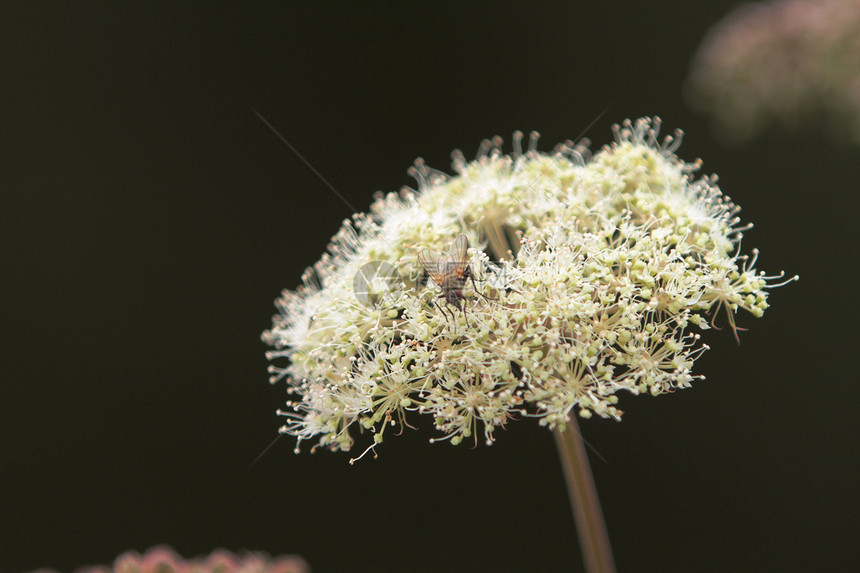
(593, 539)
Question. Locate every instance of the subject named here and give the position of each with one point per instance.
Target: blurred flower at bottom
(163, 559)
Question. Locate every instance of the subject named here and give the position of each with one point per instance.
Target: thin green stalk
(593, 539)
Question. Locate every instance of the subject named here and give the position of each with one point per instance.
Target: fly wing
(459, 257)
(434, 264)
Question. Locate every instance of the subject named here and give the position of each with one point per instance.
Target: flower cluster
(589, 275)
(789, 62)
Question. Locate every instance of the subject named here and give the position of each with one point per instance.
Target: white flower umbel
(604, 270)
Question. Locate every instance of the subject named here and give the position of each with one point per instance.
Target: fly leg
(475, 286)
(442, 310)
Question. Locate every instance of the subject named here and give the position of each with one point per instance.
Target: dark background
(150, 219)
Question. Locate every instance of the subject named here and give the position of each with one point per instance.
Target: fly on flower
(450, 270)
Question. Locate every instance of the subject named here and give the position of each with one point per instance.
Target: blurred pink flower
(793, 63)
